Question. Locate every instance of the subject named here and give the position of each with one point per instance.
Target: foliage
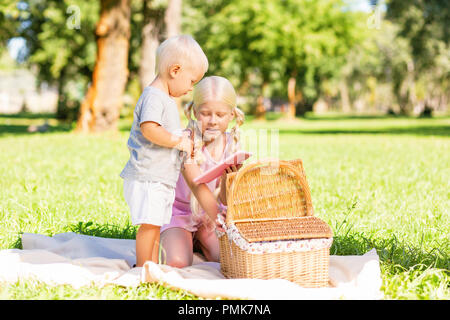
(60, 42)
(275, 40)
(403, 64)
(9, 21)
(423, 24)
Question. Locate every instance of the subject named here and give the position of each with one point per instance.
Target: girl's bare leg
(208, 242)
(176, 247)
(147, 238)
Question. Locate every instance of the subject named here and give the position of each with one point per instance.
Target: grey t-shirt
(148, 161)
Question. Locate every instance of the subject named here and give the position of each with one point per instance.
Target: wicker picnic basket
(272, 205)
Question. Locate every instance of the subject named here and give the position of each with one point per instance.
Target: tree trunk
(153, 23)
(260, 112)
(407, 93)
(345, 99)
(61, 108)
(173, 18)
(101, 108)
(291, 95)
(412, 98)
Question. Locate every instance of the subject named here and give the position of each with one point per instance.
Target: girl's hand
(218, 225)
(233, 168)
(223, 180)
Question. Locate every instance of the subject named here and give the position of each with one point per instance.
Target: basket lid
(267, 190)
(296, 228)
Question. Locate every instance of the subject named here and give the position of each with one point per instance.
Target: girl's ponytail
(235, 133)
(193, 126)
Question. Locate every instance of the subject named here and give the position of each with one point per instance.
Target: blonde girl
(196, 206)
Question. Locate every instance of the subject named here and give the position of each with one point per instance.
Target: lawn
(379, 182)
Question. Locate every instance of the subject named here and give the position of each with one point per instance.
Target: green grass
(379, 182)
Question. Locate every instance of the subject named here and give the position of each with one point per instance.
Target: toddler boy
(152, 171)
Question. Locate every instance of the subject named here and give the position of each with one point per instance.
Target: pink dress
(182, 216)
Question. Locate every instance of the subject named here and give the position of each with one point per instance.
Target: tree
(424, 25)
(153, 15)
(173, 18)
(172, 21)
(161, 20)
(9, 21)
(60, 45)
(279, 44)
(101, 107)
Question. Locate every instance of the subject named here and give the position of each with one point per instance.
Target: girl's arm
(223, 188)
(204, 196)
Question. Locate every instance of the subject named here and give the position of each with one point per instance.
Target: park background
(359, 90)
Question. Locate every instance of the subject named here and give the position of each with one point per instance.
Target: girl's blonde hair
(212, 88)
(181, 49)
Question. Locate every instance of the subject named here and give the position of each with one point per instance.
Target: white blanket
(80, 260)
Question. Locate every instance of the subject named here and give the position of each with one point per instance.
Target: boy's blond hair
(181, 49)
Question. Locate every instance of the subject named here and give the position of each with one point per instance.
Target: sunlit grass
(380, 183)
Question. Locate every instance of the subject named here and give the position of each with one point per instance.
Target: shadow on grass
(443, 131)
(92, 229)
(29, 115)
(104, 230)
(396, 255)
(14, 129)
(33, 123)
(314, 117)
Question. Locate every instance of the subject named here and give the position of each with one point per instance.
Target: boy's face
(182, 80)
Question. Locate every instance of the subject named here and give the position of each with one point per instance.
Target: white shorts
(149, 202)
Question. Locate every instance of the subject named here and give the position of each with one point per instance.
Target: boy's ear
(174, 70)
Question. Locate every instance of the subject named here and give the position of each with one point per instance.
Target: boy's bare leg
(146, 239)
(155, 253)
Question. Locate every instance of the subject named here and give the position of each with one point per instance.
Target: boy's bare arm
(156, 134)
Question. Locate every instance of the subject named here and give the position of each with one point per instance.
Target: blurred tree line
(301, 55)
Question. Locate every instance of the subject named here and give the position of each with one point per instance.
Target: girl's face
(213, 118)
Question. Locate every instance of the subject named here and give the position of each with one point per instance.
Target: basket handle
(282, 163)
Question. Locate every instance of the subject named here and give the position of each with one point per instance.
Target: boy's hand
(186, 144)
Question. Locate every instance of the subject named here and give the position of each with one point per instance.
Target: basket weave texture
(271, 201)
